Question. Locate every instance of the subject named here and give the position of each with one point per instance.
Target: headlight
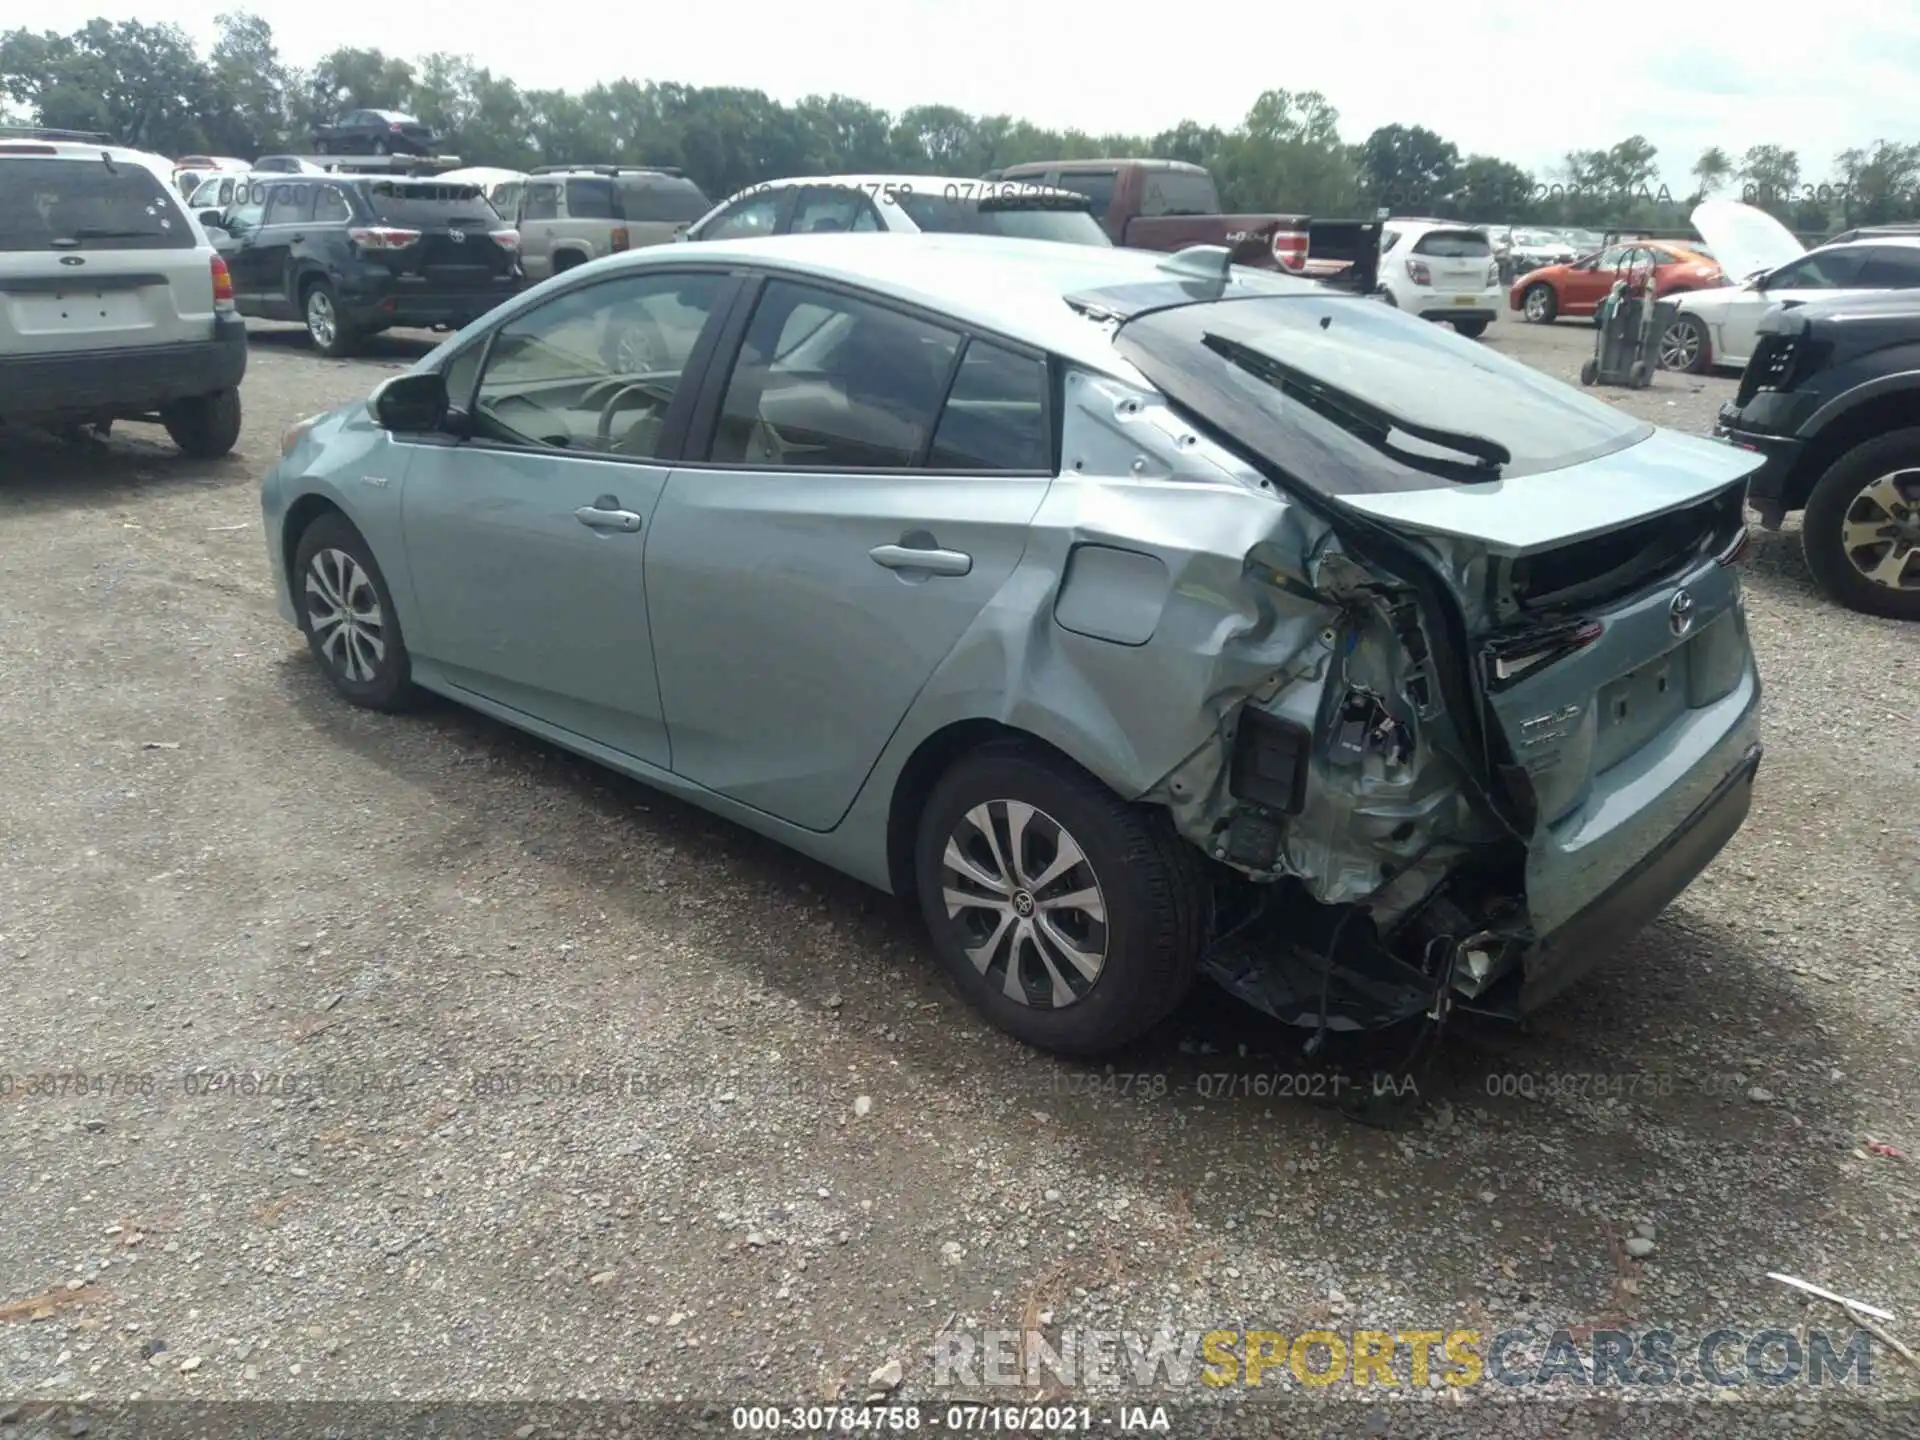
(291, 436)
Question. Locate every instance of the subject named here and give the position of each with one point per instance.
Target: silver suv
(113, 304)
(570, 214)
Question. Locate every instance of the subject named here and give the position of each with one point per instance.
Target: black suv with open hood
(1832, 398)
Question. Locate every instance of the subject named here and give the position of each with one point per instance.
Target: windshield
(87, 204)
(1303, 382)
(1023, 217)
(429, 204)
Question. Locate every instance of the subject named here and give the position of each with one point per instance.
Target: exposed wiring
(1312, 1047)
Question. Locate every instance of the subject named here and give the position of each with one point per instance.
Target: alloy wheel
(322, 323)
(1537, 300)
(344, 615)
(1028, 905)
(1881, 532)
(1679, 346)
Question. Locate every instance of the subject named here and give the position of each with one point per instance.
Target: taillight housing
(382, 237)
(1493, 273)
(396, 127)
(222, 286)
(1290, 250)
(506, 239)
(618, 240)
(1510, 659)
(1737, 550)
(1418, 273)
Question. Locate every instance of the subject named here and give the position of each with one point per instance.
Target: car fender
(349, 463)
(1903, 381)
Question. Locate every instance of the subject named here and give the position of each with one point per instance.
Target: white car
(1441, 271)
(1766, 266)
(903, 204)
(116, 306)
(501, 187)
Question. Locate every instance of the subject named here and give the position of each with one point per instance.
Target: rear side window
(89, 205)
(289, 204)
(996, 414)
(1179, 192)
(589, 200)
(1891, 268)
(421, 204)
(1063, 218)
(663, 199)
(330, 207)
(1454, 245)
(1096, 185)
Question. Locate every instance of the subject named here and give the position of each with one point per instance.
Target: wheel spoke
(1065, 858)
(1019, 815)
(1010, 984)
(1856, 534)
(1061, 993)
(983, 954)
(981, 818)
(964, 865)
(1890, 567)
(1883, 494)
(1049, 936)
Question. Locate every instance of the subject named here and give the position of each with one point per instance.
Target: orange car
(1542, 296)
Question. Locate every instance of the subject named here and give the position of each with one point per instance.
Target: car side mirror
(211, 219)
(414, 403)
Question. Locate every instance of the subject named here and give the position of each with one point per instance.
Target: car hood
(1744, 240)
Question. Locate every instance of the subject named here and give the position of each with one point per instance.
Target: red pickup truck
(1169, 205)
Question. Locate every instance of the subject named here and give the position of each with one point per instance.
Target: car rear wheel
(347, 615)
(326, 326)
(205, 427)
(1685, 346)
(1861, 531)
(1540, 305)
(1472, 329)
(1070, 918)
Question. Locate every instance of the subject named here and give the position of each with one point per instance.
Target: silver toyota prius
(1135, 616)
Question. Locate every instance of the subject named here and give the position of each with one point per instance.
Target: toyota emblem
(457, 236)
(1680, 613)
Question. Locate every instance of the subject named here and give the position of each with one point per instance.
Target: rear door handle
(932, 562)
(596, 518)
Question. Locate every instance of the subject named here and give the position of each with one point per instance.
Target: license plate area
(1635, 708)
(78, 311)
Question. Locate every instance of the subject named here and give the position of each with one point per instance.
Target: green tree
(1770, 178)
(1712, 170)
(1408, 168)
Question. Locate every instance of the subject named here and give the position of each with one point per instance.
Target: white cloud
(1524, 81)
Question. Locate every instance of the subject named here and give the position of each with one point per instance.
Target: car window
(541, 202)
(747, 218)
(506, 198)
(1178, 192)
(1096, 185)
(593, 370)
(590, 200)
(1822, 270)
(996, 414)
(1614, 256)
(1453, 245)
(1062, 218)
(861, 391)
(289, 204)
(1891, 268)
(330, 206)
(44, 203)
(661, 200)
(821, 209)
(423, 203)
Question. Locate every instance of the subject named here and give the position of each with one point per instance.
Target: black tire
(1835, 497)
(1589, 372)
(1540, 296)
(1700, 346)
(205, 427)
(1151, 882)
(332, 336)
(1639, 377)
(387, 680)
(1472, 329)
(567, 260)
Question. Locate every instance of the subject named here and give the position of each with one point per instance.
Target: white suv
(1441, 271)
(113, 304)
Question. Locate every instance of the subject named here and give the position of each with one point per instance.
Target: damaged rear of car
(1460, 651)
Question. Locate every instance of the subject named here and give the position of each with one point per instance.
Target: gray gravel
(566, 1089)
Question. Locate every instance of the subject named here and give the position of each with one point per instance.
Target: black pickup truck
(1171, 205)
(1831, 396)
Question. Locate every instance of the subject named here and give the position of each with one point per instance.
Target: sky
(1527, 82)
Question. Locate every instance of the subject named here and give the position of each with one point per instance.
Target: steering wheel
(620, 389)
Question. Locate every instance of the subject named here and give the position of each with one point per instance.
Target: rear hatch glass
(87, 205)
(661, 200)
(1454, 245)
(1020, 216)
(456, 249)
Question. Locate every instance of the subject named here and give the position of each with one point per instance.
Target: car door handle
(933, 562)
(295, 239)
(595, 517)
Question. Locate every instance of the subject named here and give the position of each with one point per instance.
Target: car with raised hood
(1768, 267)
(353, 255)
(1831, 398)
(1441, 271)
(1578, 289)
(902, 205)
(373, 132)
(114, 305)
(1135, 616)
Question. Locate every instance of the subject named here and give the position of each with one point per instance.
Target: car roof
(1013, 287)
(921, 184)
(77, 150)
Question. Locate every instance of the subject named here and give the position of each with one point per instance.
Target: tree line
(149, 86)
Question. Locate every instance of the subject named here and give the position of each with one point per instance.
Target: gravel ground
(569, 1090)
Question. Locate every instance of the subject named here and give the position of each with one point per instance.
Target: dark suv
(353, 255)
(1831, 396)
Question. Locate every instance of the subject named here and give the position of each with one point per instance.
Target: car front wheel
(1070, 918)
(346, 612)
(1685, 346)
(1539, 305)
(1861, 531)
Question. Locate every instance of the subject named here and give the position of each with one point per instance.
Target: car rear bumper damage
(113, 383)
